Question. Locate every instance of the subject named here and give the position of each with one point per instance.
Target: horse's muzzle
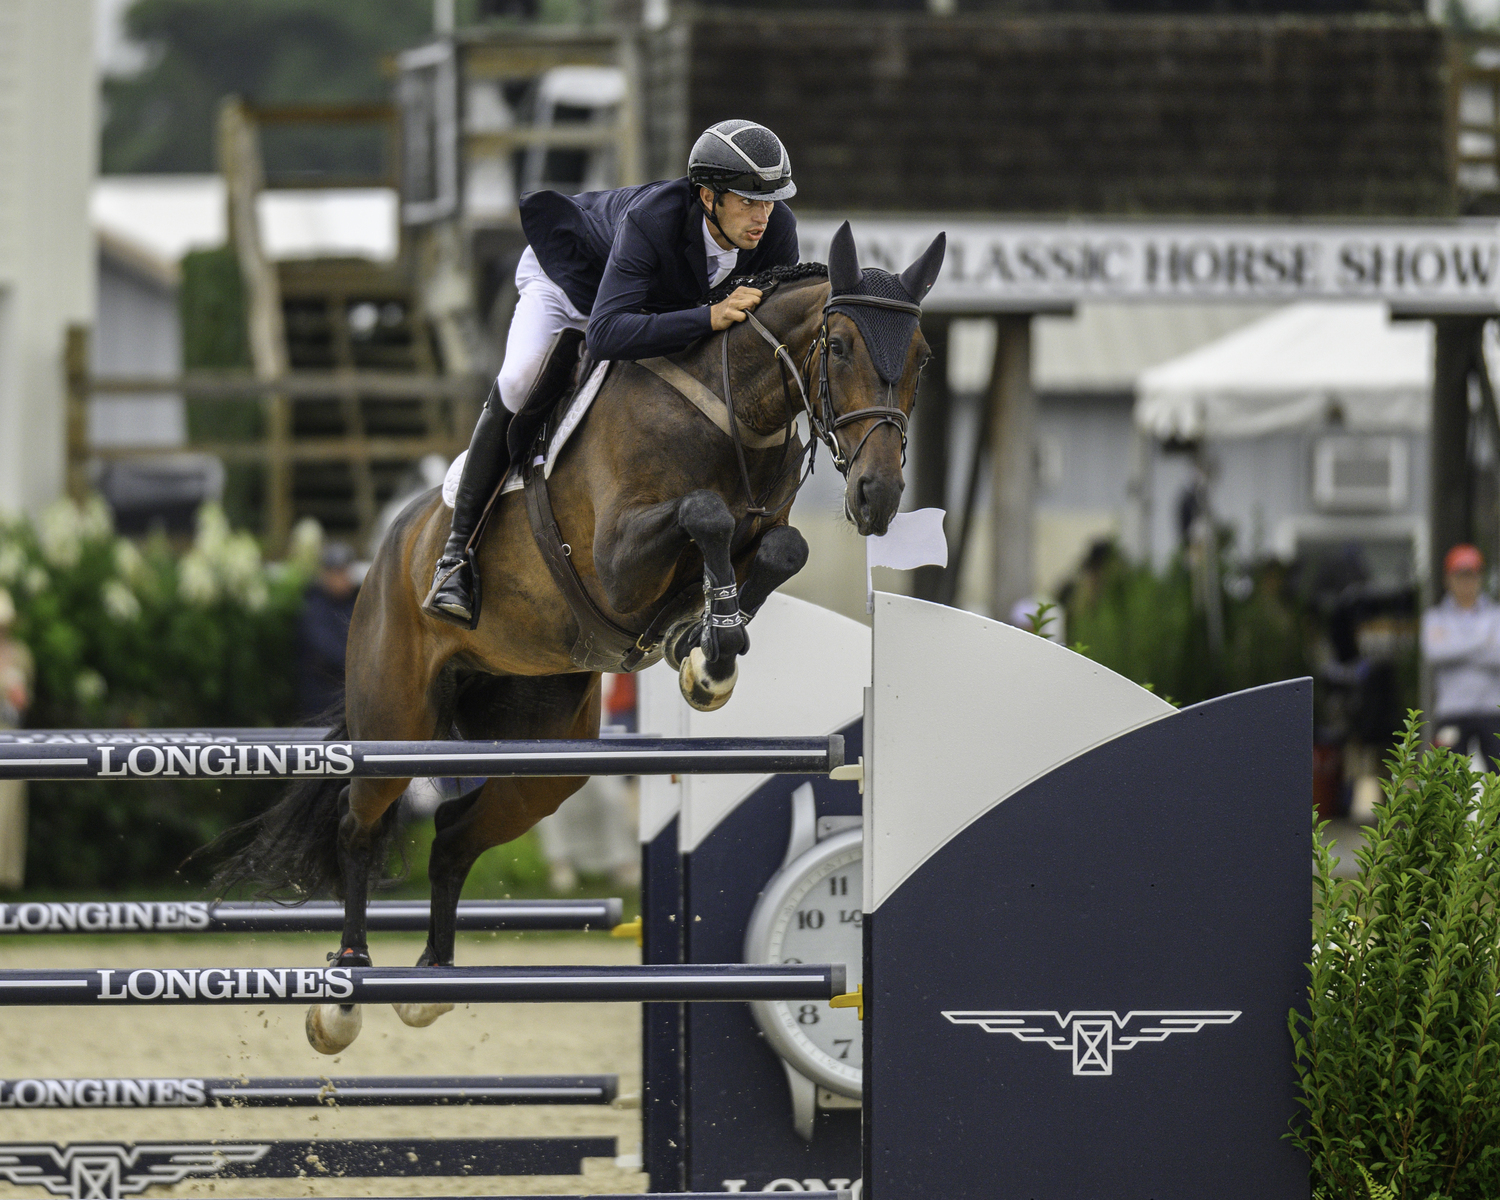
(872, 501)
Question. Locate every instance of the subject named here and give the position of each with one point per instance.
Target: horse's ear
(843, 262)
(918, 278)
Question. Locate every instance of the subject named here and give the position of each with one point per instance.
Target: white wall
(48, 150)
(136, 332)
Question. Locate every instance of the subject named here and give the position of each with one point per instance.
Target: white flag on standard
(914, 539)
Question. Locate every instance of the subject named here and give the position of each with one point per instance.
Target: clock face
(812, 913)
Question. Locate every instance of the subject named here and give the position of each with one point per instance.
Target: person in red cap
(1461, 643)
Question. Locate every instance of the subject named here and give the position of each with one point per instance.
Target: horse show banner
(1037, 266)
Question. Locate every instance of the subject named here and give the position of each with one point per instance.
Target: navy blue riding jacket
(633, 259)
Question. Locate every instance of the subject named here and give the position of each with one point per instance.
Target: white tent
(1305, 366)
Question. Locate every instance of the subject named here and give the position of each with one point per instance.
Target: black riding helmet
(744, 158)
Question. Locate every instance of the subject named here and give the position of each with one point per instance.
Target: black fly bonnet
(886, 309)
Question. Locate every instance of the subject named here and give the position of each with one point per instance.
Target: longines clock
(810, 911)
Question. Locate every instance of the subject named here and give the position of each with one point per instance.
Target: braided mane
(792, 274)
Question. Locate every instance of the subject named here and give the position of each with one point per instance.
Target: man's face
(1463, 586)
(336, 582)
(743, 221)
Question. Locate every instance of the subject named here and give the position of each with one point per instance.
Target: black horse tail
(290, 852)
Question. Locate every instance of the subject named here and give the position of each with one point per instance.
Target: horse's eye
(836, 347)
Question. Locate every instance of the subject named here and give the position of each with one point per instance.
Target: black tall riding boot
(455, 584)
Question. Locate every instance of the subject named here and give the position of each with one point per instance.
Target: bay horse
(670, 525)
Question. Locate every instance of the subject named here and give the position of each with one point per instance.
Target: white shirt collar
(720, 262)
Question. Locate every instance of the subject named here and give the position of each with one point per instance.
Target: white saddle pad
(571, 420)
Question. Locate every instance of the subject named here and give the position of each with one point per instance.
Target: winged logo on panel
(111, 1170)
(1093, 1035)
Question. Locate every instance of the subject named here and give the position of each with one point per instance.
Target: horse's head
(871, 351)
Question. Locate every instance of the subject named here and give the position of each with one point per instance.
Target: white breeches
(543, 310)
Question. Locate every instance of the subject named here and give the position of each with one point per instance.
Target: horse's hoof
(332, 1027)
(699, 688)
(420, 1016)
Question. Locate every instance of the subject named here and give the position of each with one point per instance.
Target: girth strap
(706, 401)
(603, 644)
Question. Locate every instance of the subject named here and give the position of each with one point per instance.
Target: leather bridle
(823, 420)
(878, 415)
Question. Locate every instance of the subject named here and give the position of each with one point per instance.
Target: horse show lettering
(101, 916)
(1011, 265)
(234, 761)
(230, 984)
(103, 1093)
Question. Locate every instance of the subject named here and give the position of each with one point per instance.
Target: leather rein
(823, 420)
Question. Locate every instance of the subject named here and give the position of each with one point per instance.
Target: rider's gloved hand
(734, 307)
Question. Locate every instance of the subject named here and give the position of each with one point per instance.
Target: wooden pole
(1012, 464)
(1450, 513)
(930, 433)
(239, 156)
(76, 372)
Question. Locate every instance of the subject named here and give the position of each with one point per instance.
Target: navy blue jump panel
(737, 1121)
(1084, 992)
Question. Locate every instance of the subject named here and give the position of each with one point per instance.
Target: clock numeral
(807, 1014)
(812, 919)
(851, 916)
(838, 885)
(845, 1043)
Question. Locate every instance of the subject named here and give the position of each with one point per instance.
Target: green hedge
(1399, 1053)
(1148, 627)
(128, 637)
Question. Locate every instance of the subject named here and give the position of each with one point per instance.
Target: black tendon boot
(455, 584)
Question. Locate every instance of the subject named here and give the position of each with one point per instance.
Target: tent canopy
(1305, 366)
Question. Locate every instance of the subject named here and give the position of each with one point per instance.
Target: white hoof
(332, 1027)
(419, 1016)
(698, 689)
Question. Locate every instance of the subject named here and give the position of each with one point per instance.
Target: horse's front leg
(780, 554)
(634, 561)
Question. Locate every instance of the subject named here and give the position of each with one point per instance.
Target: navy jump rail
(314, 916)
(160, 737)
(271, 760)
(369, 1091)
(421, 985)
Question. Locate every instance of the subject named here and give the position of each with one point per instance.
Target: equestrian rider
(632, 267)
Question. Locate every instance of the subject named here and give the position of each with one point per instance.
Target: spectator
(1461, 644)
(15, 697)
(323, 632)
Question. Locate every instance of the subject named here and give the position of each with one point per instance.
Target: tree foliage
(1399, 1053)
(268, 51)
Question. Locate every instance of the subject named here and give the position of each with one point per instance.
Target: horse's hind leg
(504, 808)
(368, 806)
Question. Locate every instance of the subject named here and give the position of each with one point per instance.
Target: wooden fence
(450, 403)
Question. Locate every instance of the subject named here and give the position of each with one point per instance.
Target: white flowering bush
(144, 636)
